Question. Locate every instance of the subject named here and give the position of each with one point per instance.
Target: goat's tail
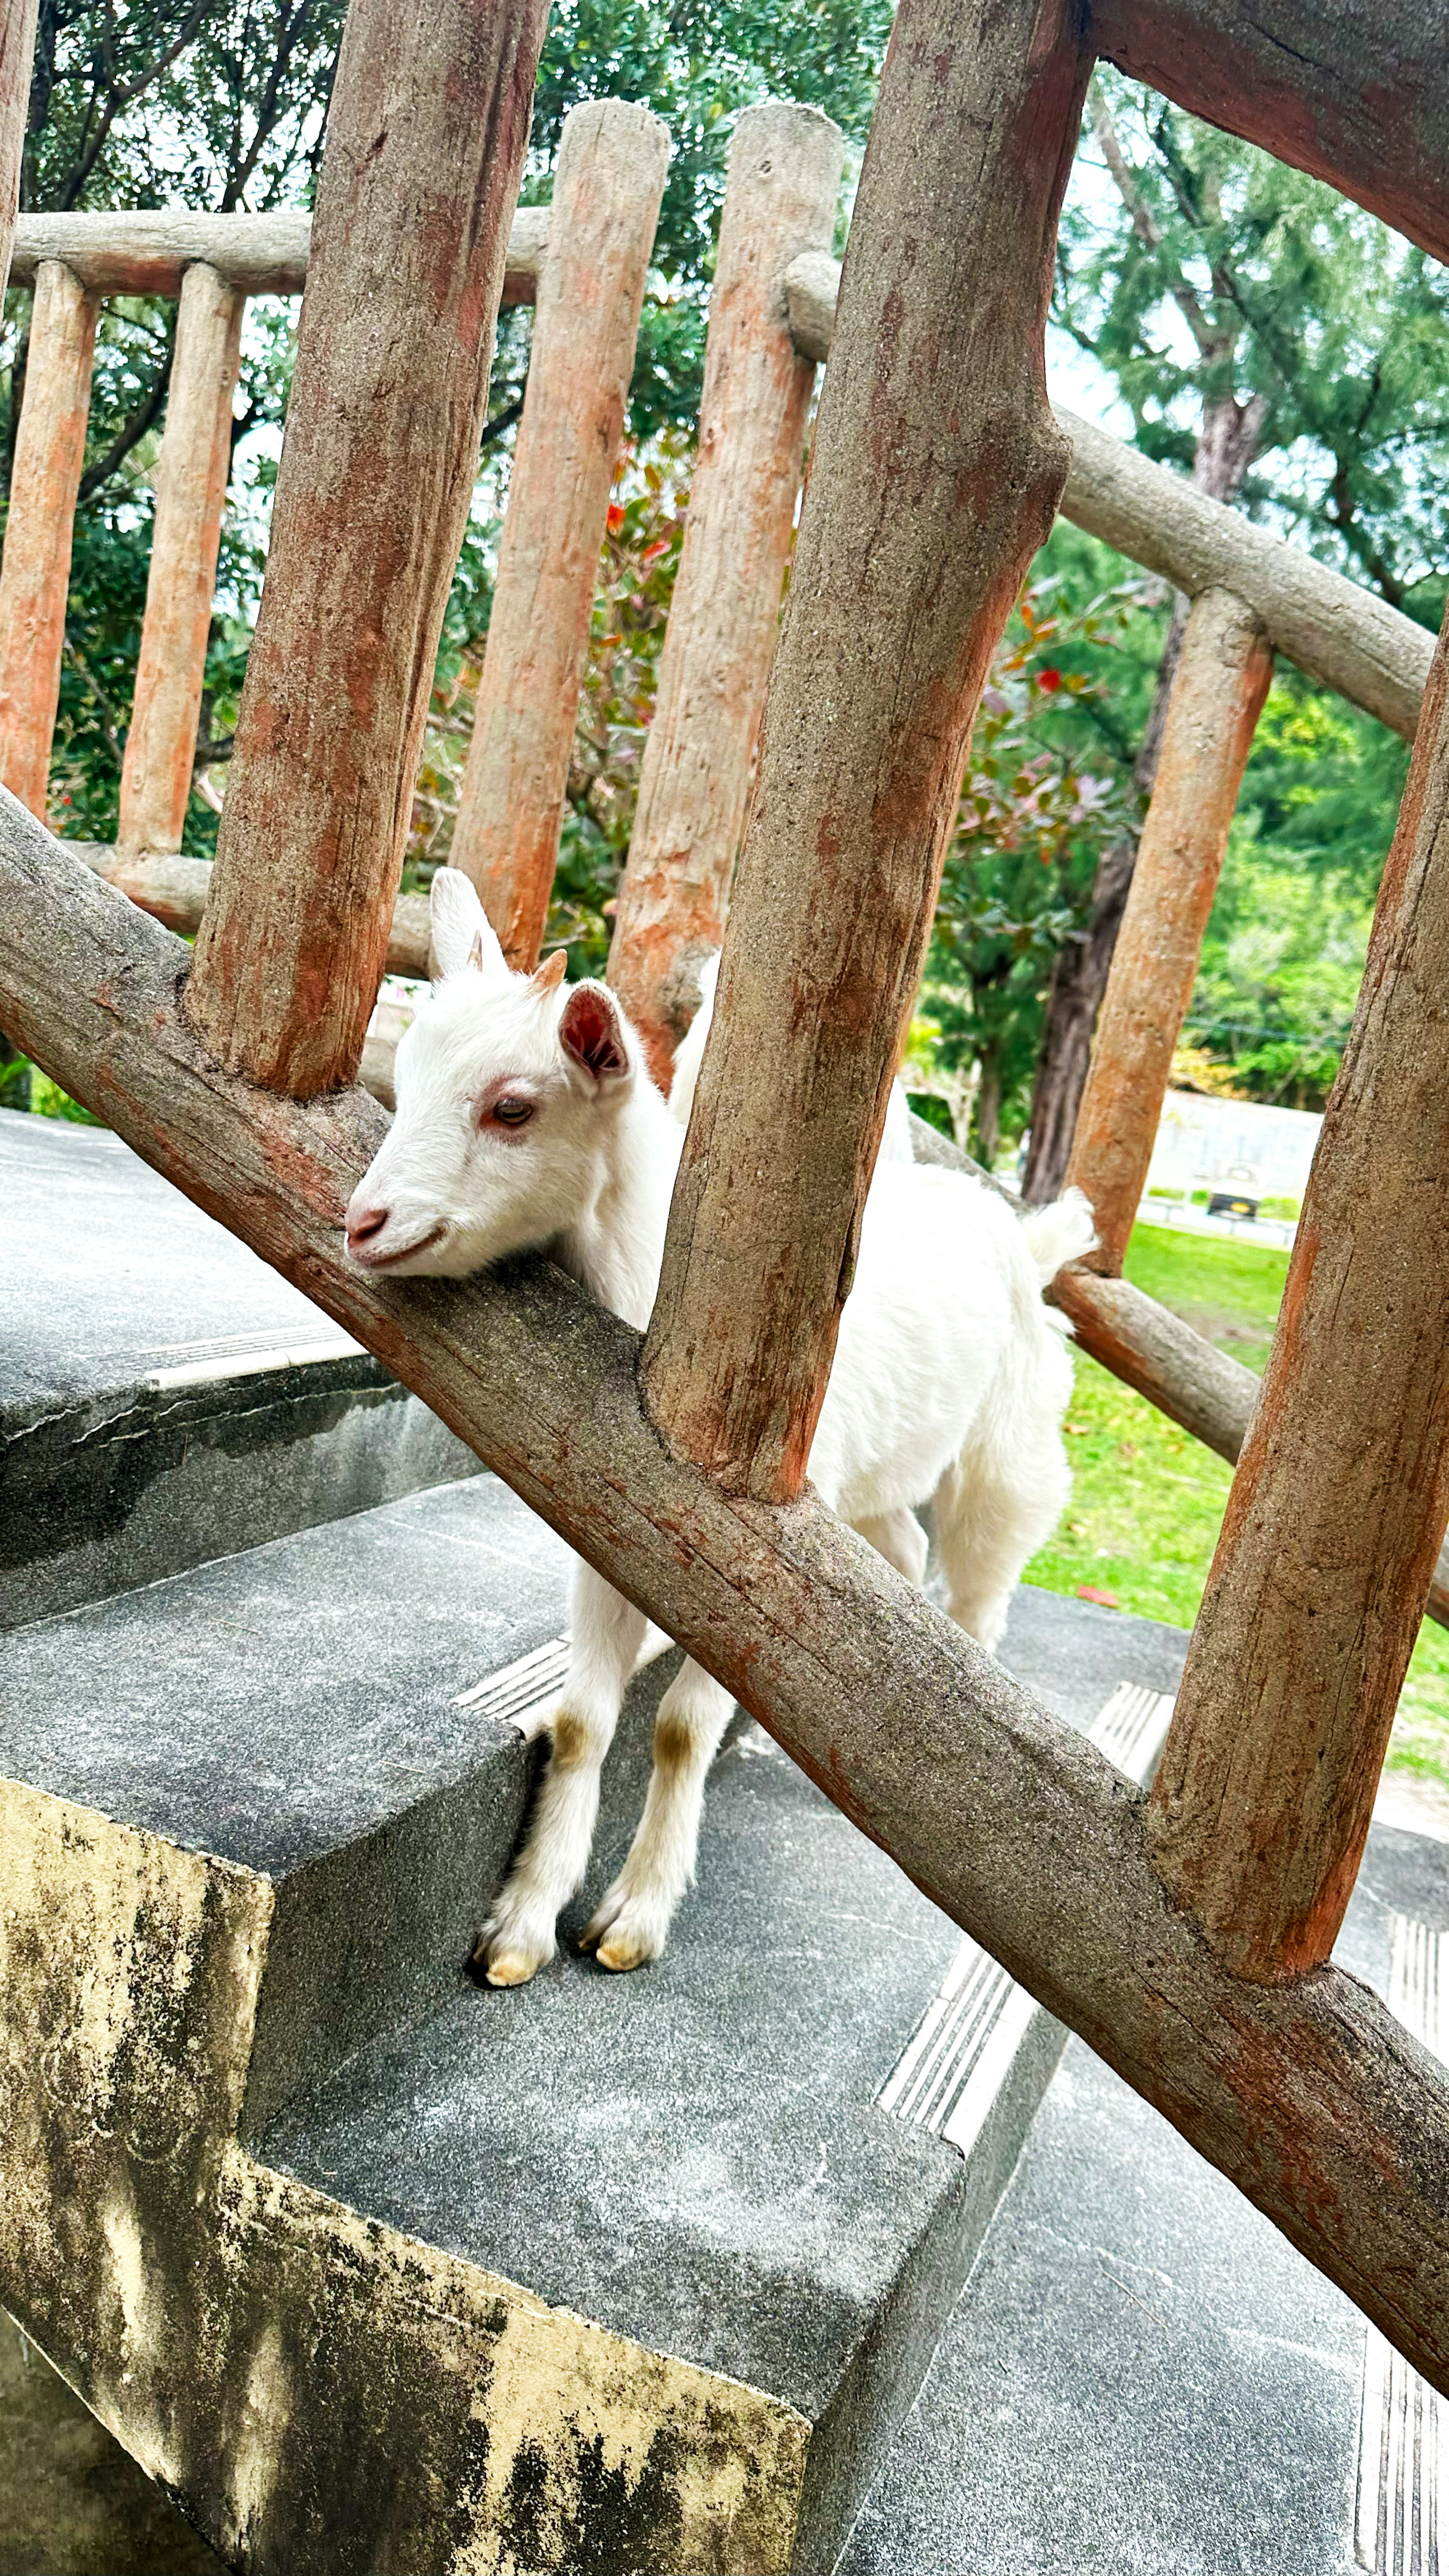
(1059, 1233)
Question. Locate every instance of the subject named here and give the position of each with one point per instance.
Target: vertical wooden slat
(1338, 1507)
(17, 54)
(1222, 678)
(35, 573)
(425, 141)
(191, 480)
(780, 198)
(935, 477)
(608, 184)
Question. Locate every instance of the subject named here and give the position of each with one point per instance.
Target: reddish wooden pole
(610, 178)
(35, 574)
(935, 477)
(1340, 1500)
(17, 53)
(780, 197)
(1217, 697)
(425, 142)
(191, 485)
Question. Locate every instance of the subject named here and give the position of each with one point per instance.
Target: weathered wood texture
(1222, 678)
(35, 572)
(425, 142)
(128, 254)
(174, 890)
(1312, 2099)
(191, 480)
(1333, 630)
(17, 53)
(780, 198)
(934, 478)
(1357, 91)
(607, 187)
(1339, 1505)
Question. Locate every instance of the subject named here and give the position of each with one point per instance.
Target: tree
(1246, 314)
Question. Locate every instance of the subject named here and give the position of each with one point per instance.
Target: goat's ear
(463, 938)
(548, 977)
(591, 1032)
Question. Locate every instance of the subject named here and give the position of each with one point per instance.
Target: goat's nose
(367, 1223)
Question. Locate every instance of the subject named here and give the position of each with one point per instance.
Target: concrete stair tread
(167, 1398)
(274, 1704)
(1142, 2373)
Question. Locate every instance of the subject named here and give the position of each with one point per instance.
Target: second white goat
(526, 1120)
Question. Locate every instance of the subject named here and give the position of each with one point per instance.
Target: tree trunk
(1226, 446)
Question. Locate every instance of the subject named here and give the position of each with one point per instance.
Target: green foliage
(1147, 1499)
(1046, 787)
(1289, 931)
(697, 65)
(1233, 278)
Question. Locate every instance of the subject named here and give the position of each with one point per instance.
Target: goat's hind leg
(519, 1934)
(632, 1923)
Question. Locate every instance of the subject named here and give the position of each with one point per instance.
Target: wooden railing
(1188, 1942)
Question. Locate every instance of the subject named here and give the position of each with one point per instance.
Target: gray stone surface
(1141, 2373)
(280, 1703)
(693, 2154)
(72, 2502)
(111, 1279)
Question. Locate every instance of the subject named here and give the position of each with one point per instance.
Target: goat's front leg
(633, 1921)
(519, 1933)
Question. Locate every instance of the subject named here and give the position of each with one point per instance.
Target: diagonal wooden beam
(1355, 91)
(425, 140)
(1312, 2099)
(935, 475)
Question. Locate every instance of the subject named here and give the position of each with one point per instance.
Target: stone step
(372, 2270)
(165, 1398)
(1141, 2373)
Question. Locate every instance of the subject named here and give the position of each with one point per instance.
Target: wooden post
(1313, 2099)
(1222, 678)
(425, 142)
(17, 53)
(609, 181)
(191, 482)
(35, 574)
(1340, 1500)
(780, 198)
(935, 477)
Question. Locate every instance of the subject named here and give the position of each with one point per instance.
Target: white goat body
(525, 1119)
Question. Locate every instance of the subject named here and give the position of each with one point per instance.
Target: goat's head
(505, 1085)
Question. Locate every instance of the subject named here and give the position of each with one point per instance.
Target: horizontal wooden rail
(174, 890)
(1312, 2099)
(1334, 630)
(149, 254)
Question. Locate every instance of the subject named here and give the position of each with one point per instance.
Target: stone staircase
(375, 2271)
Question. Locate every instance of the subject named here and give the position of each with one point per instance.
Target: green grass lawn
(1148, 1500)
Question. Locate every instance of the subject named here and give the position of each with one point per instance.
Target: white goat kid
(525, 1119)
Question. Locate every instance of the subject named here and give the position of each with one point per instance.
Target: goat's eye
(513, 1113)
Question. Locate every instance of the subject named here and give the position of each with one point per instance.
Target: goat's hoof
(624, 1933)
(502, 1959)
(621, 1950)
(510, 1968)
